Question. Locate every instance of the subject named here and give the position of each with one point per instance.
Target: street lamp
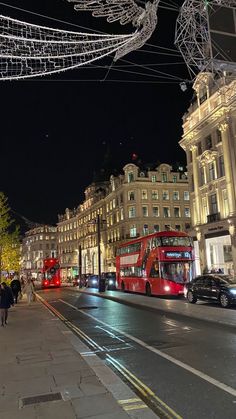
(101, 281)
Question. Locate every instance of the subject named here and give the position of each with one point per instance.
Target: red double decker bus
(51, 273)
(156, 264)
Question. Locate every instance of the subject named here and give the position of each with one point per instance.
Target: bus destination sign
(178, 255)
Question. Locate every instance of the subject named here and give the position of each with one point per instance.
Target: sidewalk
(201, 311)
(44, 376)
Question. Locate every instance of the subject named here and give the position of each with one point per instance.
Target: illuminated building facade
(130, 205)
(38, 244)
(209, 141)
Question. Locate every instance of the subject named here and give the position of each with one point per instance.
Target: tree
(9, 238)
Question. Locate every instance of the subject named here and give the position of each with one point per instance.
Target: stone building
(127, 206)
(38, 244)
(209, 141)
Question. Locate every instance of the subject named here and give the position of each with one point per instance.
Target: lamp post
(101, 281)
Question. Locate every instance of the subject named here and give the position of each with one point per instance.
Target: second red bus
(157, 264)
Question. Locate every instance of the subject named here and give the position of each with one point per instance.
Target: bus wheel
(148, 290)
(122, 286)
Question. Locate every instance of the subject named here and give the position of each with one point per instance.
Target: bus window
(154, 270)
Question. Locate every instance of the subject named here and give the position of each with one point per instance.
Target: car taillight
(57, 282)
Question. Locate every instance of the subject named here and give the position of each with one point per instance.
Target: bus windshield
(173, 241)
(179, 272)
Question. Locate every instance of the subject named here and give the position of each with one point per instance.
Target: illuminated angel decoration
(28, 50)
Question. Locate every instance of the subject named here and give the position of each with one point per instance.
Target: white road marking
(169, 358)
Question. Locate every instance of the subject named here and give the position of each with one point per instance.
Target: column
(232, 231)
(196, 182)
(224, 128)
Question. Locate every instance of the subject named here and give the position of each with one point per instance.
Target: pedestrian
(6, 300)
(29, 290)
(15, 287)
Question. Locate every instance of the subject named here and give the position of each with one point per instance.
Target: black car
(110, 280)
(220, 288)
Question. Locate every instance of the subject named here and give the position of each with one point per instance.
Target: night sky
(57, 131)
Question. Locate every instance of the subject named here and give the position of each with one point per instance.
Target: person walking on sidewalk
(15, 287)
(6, 300)
(29, 290)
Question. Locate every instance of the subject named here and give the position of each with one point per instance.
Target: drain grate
(42, 398)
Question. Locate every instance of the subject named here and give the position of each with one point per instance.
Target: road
(181, 367)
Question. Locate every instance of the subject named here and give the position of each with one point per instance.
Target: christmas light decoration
(204, 36)
(28, 50)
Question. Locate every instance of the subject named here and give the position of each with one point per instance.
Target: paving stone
(26, 388)
(91, 386)
(55, 410)
(95, 405)
(67, 378)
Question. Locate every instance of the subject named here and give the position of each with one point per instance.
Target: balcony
(211, 218)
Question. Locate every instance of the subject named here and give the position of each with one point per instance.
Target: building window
(145, 229)
(186, 195)
(221, 166)
(166, 212)
(187, 212)
(132, 212)
(177, 227)
(114, 203)
(165, 195)
(176, 195)
(199, 148)
(208, 142)
(155, 211)
(174, 179)
(211, 171)
(130, 177)
(122, 214)
(145, 211)
(156, 228)
(213, 204)
(154, 194)
(131, 196)
(225, 203)
(164, 177)
(154, 178)
(202, 176)
(176, 212)
(218, 136)
(144, 194)
(133, 231)
(204, 209)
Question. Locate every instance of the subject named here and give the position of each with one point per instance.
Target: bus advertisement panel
(156, 264)
(51, 273)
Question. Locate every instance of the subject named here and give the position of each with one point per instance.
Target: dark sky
(56, 130)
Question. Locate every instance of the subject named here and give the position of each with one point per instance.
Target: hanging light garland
(28, 50)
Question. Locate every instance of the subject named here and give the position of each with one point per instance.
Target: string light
(28, 50)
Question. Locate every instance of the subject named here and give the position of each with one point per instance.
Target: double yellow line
(147, 394)
(152, 400)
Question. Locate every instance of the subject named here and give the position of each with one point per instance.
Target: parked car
(221, 288)
(110, 280)
(80, 281)
(92, 281)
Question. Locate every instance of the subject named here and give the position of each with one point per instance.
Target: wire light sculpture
(28, 50)
(194, 36)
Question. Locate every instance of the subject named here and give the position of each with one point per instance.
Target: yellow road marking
(139, 385)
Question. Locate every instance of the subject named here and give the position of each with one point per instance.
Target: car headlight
(94, 281)
(111, 282)
(233, 292)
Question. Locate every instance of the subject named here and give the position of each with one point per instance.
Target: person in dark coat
(6, 300)
(16, 288)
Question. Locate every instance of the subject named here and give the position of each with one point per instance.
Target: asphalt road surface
(183, 368)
